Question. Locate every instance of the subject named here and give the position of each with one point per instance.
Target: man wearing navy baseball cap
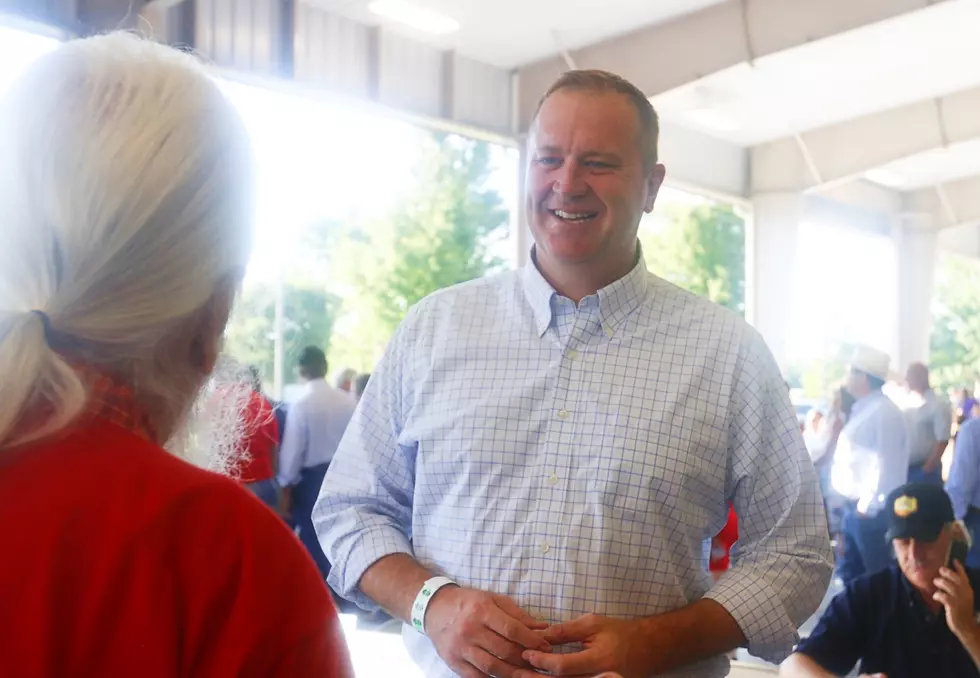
(918, 617)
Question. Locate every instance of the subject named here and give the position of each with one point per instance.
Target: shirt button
(552, 479)
(545, 548)
(563, 414)
(573, 355)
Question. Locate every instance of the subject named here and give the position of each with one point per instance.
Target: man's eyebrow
(611, 157)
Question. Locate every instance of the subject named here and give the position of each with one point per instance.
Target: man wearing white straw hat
(871, 460)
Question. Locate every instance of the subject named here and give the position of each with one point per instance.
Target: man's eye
(598, 164)
(549, 161)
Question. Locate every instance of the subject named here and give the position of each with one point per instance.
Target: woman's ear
(208, 336)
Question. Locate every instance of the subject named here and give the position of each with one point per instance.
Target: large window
(698, 244)
(955, 345)
(359, 217)
(846, 281)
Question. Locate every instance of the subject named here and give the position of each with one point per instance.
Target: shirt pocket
(665, 465)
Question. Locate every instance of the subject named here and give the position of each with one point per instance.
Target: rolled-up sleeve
(364, 510)
(783, 561)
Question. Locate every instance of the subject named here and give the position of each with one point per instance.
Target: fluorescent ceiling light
(885, 177)
(419, 18)
(713, 119)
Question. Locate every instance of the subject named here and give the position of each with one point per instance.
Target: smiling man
(537, 461)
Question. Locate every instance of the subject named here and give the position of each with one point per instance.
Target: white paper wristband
(421, 603)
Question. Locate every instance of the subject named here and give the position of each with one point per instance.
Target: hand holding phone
(957, 551)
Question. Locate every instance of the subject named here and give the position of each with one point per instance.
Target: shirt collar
(113, 401)
(914, 598)
(107, 398)
(866, 401)
(616, 300)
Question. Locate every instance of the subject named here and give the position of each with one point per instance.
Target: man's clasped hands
(480, 634)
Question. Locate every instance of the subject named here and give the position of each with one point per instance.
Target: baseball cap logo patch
(905, 506)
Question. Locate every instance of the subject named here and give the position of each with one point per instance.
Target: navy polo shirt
(881, 621)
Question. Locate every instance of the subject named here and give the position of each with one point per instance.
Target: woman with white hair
(124, 234)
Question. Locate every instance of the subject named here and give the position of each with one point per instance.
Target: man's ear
(655, 179)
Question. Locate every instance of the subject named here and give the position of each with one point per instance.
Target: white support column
(770, 268)
(522, 239)
(915, 242)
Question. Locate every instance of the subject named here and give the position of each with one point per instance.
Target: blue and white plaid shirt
(576, 459)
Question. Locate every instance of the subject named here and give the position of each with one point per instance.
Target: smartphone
(958, 551)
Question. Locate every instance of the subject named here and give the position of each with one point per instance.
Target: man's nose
(569, 180)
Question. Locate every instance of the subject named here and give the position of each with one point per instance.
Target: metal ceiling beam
(848, 149)
(664, 56)
(954, 203)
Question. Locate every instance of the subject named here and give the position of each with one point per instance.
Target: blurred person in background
(125, 208)
(838, 411)
(344, 380)
(541, 455)
(967, 406)
(815, 433)
(963, 484)
(914, 619)
(823, 442)
(870, 460)
(360, 384)
(314, 427)
(261, 444)
(930, 423)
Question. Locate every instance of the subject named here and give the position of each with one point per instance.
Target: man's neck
(865, 396)
(925, 594)
(577, 282)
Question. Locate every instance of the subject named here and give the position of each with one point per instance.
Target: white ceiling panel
(913, 57)
(941, 165)
(508, 33)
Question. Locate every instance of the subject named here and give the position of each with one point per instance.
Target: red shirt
(721, 545)
(119, 559)
(263, 436)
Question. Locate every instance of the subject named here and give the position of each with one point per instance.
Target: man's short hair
(313, 363)
(596, 81)
(918, 376)
(345, 378)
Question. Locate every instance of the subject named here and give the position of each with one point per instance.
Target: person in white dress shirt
(870, 461)
(930, 422)
(314, 427)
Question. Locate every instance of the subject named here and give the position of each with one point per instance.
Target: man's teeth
(573, 216)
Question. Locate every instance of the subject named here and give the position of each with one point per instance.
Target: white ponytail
(34, 375)
(124, 207)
